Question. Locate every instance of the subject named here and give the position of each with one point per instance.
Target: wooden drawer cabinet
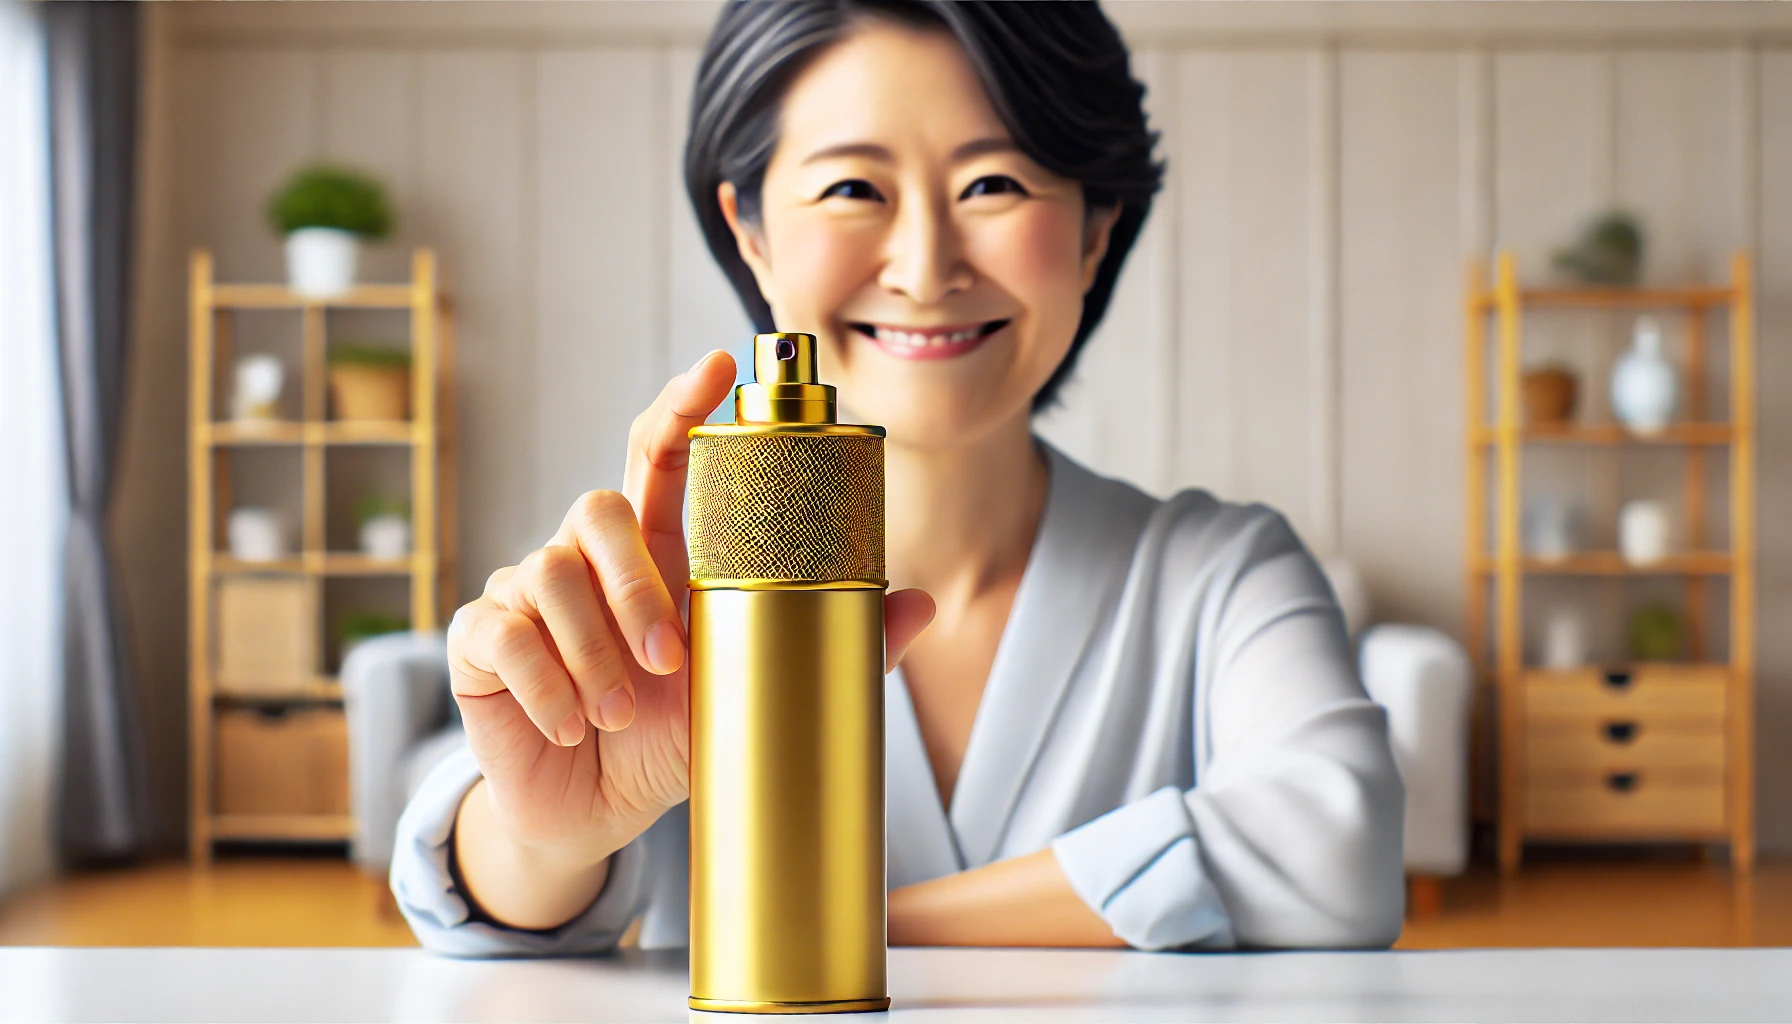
(1635, 753)
(1595, 747)
(293, 762)
(1678, 691)
(1626, 805)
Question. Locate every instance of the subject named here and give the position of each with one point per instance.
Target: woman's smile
(943, 342)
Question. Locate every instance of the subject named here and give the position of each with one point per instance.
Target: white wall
(1289, 328)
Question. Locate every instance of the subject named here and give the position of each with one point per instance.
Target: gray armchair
(401, 722)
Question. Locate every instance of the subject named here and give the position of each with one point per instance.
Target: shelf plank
(1610, 563)
(282, 826)
(279, 296)
(365, 432)
(1694, 297)
(1615, 434)
(224, 565)
(291, 432)
(349, 563)
(321, 689)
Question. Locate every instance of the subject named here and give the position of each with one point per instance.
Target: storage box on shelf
(268, 743)
(1649, 751)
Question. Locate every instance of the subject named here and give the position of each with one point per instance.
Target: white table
(927, 985)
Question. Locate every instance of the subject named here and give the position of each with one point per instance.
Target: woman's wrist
(523, 885)
(1024, 901)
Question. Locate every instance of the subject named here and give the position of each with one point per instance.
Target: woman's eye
(993, 184)
(856, 188)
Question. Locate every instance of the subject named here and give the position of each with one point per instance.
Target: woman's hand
(588, 630)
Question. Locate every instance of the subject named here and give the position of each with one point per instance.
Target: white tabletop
(926, 984)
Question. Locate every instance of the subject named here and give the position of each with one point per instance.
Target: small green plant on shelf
(361, 625)
(369, 353)
(325, 196)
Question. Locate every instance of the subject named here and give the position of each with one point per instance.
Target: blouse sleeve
(441, 915)
(1291, 836)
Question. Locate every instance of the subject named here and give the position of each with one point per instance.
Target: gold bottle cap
(787, 385)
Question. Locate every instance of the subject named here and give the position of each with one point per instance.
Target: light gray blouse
(1173, 709)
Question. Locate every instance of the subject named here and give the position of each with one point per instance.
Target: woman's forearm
(1024, 901)
(520, 886)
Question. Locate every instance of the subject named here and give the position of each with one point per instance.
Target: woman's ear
(1098, 227)
(746, 236)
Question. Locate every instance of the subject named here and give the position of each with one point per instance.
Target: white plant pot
(386, 537)
(256, 535)
(320, 262)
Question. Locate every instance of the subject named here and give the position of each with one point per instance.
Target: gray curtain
(92, 66)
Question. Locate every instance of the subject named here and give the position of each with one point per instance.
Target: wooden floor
(262, 901)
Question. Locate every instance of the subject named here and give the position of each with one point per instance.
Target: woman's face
(942, 270)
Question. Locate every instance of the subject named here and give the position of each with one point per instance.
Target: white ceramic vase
(256, 534)
(1643, 532)
(320, 262)
(386, 536)
(259, 379)
(1564, 639)
(1644, 386)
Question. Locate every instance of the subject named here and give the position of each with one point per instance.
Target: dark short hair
(1057, 73)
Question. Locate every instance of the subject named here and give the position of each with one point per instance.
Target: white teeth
(915, 339)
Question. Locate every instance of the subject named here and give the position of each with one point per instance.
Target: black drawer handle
(1622, 782)
(1618, 679)
(1620, 732)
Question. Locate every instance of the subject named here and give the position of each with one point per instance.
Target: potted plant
(370, 382)
(385, 525)
(324, 212)
(360, 625)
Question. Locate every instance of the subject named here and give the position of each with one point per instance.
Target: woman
(1131, 722)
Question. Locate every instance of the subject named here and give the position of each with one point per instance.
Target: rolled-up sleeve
(439, 913)
(1291, 836)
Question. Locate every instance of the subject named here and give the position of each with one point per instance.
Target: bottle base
(757, 1006)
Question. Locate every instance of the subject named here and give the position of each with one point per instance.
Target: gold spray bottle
(787, 707)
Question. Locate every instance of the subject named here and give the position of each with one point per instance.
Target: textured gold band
(787, 507)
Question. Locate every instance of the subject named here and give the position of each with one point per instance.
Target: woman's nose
(925, 261)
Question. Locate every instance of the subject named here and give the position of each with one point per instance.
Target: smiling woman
(1129, 722)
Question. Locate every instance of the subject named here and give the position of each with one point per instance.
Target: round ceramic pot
(386, 536)
(363, 392)
(256, 535)
(320, 262)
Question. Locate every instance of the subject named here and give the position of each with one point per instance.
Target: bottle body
(787, 799)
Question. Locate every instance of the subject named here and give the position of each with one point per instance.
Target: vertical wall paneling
(476, 199)
(600, 342)
(702, 311)
(1323, 428)
(1115, 412)
(1772, 225)
(367, 119)
(1401, 177)
(1244, 276)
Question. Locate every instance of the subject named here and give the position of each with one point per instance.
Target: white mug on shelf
(1643, 532)
(256, 534)
(1564, 639)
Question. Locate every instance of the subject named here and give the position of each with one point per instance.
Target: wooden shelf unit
(1693, 778)
(427, 436)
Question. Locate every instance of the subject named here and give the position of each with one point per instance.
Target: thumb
(906, 614)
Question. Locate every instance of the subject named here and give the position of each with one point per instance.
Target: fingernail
(665, 647)
(704, 358)
(617, 709)
(572, 731)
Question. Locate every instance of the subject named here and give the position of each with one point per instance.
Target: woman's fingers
(492, 649)
(906, 614)
(603, 527)
(555, 585)
(659, 445)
